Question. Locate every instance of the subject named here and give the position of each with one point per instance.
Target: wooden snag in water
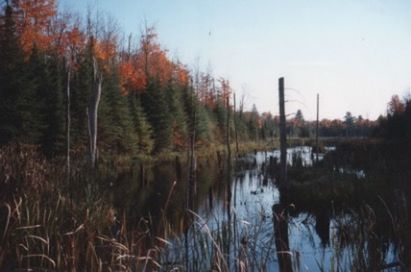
(283, 139)
(280, 222)
(316, 129)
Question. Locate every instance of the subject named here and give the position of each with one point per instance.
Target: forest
(147, 99)
(114, 156)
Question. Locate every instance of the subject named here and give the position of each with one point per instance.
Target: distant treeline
(396, 125)
(149, 103)
(350, 126)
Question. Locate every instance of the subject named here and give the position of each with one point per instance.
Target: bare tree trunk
(235, 127)
(241, 108)
(280, 222)
(68, 122)
(93, 112)
(228, 128)
(283, 139)
(192, 158)
(317, 125)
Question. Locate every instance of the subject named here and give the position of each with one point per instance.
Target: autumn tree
(395, 106)
(158, 71)
(51, 85)
(33, 19)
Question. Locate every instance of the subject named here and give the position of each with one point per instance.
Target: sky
(355, 54)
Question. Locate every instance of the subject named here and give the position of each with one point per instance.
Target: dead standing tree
(280, 211)
(316, 129)
(283, 138)
(92, 111)
(235, 124)
(228, 128)
(192, 142)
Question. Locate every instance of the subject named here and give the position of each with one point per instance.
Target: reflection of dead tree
(280, 218)
(235, 124)
(192, 140)
(228, 129)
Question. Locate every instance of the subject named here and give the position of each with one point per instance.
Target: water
(233, 217)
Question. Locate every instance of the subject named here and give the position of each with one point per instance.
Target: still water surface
(233, 217)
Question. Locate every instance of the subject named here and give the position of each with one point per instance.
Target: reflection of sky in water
(251, 205)
(250, 216)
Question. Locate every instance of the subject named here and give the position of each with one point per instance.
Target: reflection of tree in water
(370, 238)
(280, 221)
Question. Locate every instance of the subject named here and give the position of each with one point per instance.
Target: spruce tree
(179, 117)
(13, 82)
(80, 93)
(141, 125)
(156, 108)
(45, 124)
(115, 120)
(54, 109)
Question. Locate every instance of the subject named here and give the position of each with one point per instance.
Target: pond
(232, 223)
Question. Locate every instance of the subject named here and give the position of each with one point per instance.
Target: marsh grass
(52, 222)
(49, 222)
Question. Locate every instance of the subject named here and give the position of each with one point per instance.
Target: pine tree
(12, 80)
(203, 123)
(54, 109)
(45, 123)
(156, 108)
(141, 125)
(80, 93)
(116, 124)
(179, 120)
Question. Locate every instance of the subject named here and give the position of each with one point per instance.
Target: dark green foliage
(179, 117)
(80, 92)
(158, 113)
(397, 124)
(54, 131)
(115, 120)
(198, 116)
(140, 124)
(160, 117)
(253, 124)
(45, 123)
(13, 96)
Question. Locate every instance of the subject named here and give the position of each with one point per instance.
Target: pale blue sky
(356, 54)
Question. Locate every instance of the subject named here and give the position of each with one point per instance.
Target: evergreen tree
(203, 122)
(157, 110)
(115, 120)
(54, 133)
(14, 94)
(141, 125)
(179, 118)
(80, 92)
(46, 121)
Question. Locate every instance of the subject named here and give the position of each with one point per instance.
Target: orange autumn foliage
(225, 91)
(132, 78)
(153, 60)
(33, 18)
(105, 50)
(181, 75)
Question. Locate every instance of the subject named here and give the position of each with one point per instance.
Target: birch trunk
(93, 112)
(68, 122)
